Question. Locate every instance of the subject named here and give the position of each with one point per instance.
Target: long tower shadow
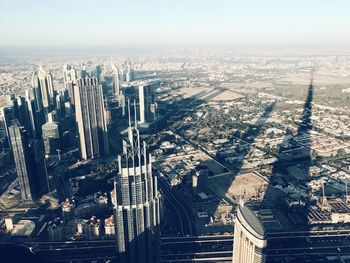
(245, 144)
(187, 107)
(294, 159)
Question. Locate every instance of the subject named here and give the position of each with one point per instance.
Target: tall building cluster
(37, 127)
(47, 124)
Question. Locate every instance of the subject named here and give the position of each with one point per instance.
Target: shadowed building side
(24, 161)
(249, 237)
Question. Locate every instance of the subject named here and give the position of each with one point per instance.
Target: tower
(91, 119)
(70, 80)
(249, 238)
(51, 138)
(142, 104)
(115, 79)
(146, 100)
(136, 203)
(24, 160)
(46, 88)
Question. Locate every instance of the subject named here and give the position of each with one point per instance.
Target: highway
(297, 246)
(177, 202)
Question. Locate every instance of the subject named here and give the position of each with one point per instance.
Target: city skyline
(49, 23)
(174, 131)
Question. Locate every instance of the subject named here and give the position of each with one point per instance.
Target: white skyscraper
(249, 237)
(142, 104)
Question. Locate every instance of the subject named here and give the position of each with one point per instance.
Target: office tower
(115, 79)
(122, 75)
(35, 92)
(31, 111)
(142, 104)
(70, 80)
(249, 237)
(129, 76)
(83, 72)
(51, 138)
(25, 163)
(46, 88)
(146, 103)
(7, 115)
(90, 118)
(23, 115)
(136, 203)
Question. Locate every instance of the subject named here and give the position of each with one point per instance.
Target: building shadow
(294, 159)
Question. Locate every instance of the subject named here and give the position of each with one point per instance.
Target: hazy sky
(176, 22)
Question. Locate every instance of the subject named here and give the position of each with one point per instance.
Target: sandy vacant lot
(208, 94)
(243, 185)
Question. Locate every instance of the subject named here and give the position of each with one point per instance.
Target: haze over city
(174, 131)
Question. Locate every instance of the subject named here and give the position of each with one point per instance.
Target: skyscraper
(8, 115)
(115, 79)
(51, 138)
(146, 100)
(142, 104)
(129, 74)
(136, 203)
(91, 119)
(24, 160)
(70, 80)
(249, 237)
(46, 89)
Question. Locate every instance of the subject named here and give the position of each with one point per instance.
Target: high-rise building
(70, 80)
(115, 79)
(250, 242)
(146, 103)
(24, 160)
(46, 88)
(91, 119)
(7, 115)
(51, 138)
(129, 74)
(136, 203)
(31, 111)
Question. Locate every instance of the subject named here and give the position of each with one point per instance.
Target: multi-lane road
(295, 246)
(185, 216)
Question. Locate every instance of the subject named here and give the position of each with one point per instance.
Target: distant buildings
(91, 119)
(136, 203)
(249, 237)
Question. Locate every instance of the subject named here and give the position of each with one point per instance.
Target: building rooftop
(250, 220)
